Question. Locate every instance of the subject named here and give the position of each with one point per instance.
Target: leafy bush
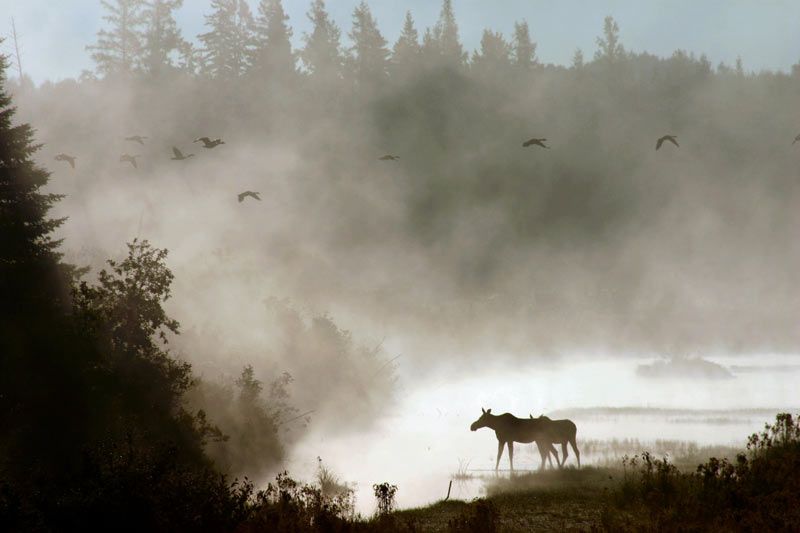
(384, 494)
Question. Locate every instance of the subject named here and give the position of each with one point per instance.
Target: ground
(571, 500)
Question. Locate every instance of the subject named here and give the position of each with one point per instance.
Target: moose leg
(575, 449)
(511, 455)
(552, 450)
(564, 453)
(500, 445)
(543, 453)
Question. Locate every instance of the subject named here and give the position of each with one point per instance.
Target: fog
(403, 296)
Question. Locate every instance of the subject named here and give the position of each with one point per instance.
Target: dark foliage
(759, 491)
(480, 515)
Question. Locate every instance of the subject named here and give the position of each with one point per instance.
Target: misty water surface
(421, 443)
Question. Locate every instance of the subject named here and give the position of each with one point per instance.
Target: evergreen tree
(739, 66)
(119, 48)
(189, 58)
(27, 248)
(322, 54)
(38, 365)
(273, 54)
(162, 38)
(577, 59)
(609, 47)
(406, 51)
(445, 37)
(228, 47)
(370, 57)
(494, 55)
(524, 49)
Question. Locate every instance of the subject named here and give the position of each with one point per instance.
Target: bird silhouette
(251, 194)
(179, 155)
(125, 158)
(136, 138)
(389, 157)
(209, 143)
(537, 142)
(796, 139)
(66, 157)
(671, 138)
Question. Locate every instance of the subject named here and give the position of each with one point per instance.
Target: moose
(543, 431)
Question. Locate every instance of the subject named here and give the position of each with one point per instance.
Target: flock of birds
(541, 143)
(209, 143)
(177, 155)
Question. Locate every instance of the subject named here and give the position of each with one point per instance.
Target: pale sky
(766, 33)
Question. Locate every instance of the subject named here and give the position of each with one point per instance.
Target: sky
(53, 35)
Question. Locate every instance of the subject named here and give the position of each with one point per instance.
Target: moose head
(483, 421)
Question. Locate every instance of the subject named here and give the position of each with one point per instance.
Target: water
(426, 439)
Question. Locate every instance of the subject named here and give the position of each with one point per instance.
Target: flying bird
(796, 139)
(251, 194)
(537, 142)
(671, 138)
(179, 155)
(125, 158)
(389, 157)
(66, 157)
(136, 138)
(209, 143)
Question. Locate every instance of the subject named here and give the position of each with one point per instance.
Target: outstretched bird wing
(177, 152)
(659, 143)
(204, 140)
(673, 141)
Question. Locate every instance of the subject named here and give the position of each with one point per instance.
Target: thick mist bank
(468, 243)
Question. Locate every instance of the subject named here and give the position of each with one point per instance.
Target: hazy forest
(165, 345)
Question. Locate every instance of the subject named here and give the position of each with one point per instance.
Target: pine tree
(406, 51)
(162, 38)
(27, 249)
(322, 53)
(119, 48)
(445, 36)
(494, 55)
(739, 66)
(609, 47)
(273, 54)
(34, 304)
(370, 57)
(577, 59)
(228, 47)
(524, 50)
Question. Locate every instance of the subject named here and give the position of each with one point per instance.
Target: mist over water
(425, 440)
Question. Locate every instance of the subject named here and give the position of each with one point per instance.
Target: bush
(760, 490)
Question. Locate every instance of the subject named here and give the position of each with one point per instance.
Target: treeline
(143, 38)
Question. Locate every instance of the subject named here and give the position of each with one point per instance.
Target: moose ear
(484, 410)
(488, 411)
